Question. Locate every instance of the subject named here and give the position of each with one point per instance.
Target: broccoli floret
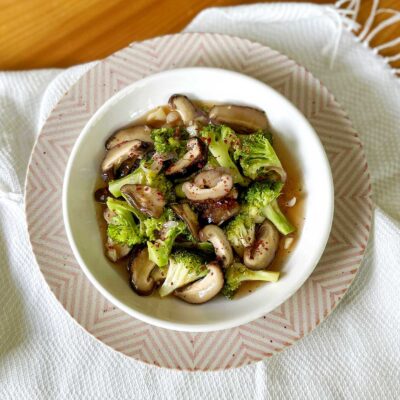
(238, 273)
(153, 226)
(167, 141)
(123, 228)
(143, 175)
(256, 155)
(222, 140)
(260, 201)
(240, 231)
(160, 249)
(184, 267)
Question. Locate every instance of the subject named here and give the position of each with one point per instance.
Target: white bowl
(213, 85)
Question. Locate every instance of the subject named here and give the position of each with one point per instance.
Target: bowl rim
(179, 326)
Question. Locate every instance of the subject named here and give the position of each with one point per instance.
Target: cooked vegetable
(160, 249)
(257, 157)
(141, 132)
(238, 273)
(262, 251)
(123, 229)
(116, 251)
(184, 267)
(222, 248)
(241, 233)
(140, 268)
(146, 199)
(218, 211)
(221, 141)
(118, 154)
(203, 289)
(194, 159)
(186, 214)
(167, 141)
(241, 118)
(143, 175)
(219, 187)
(197, 182)
(260, 202)
(154, 226)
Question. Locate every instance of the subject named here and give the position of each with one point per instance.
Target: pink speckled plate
(199, 351)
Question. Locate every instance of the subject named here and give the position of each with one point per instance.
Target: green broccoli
(143, 175)
(240, 231)
(257, 157)
(160, 249)
(184, 267)
(222, 140)
(153, 226)
(238, 273)
(167, 141)
(123, 228)
(261, 201)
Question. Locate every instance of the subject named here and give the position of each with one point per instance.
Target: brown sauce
(293, 188)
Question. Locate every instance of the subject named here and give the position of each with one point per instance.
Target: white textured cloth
(354, 354)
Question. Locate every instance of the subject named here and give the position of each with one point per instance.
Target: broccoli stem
(275, 215)
(132, 179)
(224, 160)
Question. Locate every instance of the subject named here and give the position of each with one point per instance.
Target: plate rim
(345, 115)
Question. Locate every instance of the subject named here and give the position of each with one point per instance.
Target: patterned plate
(216, 350)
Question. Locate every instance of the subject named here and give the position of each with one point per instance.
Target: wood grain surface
(59, 33)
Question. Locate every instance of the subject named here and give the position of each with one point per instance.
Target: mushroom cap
(216, 236)
(187, 110)
(185, 213)
(260, 254)
(121, 152)
(195, 157)
(145, 198)
(242, 119)
(140, 268)
(204, 289)
(140, 132)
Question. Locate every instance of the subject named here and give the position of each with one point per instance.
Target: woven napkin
(354, 354)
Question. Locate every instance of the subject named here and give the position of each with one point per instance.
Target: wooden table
(59, 33)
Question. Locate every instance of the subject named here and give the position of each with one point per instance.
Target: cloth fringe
(347, 11)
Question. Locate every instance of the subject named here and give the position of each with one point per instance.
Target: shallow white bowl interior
(204, 84)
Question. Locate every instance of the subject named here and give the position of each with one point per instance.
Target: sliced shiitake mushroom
(204, 289)
(211, 184)
(242, 119)
(219, 211)
(187, 110)
(121, 152)
(140, 268)
(222, 247)
(140, 132)
(158, 275)
(145, 198)
(194, 158)
(127, 167)
(184, 212)
(116, 251)
(260, 254)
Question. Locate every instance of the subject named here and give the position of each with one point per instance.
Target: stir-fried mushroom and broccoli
(191, 200)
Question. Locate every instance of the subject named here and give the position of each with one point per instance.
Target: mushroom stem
(204, 289)
(216, 236)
